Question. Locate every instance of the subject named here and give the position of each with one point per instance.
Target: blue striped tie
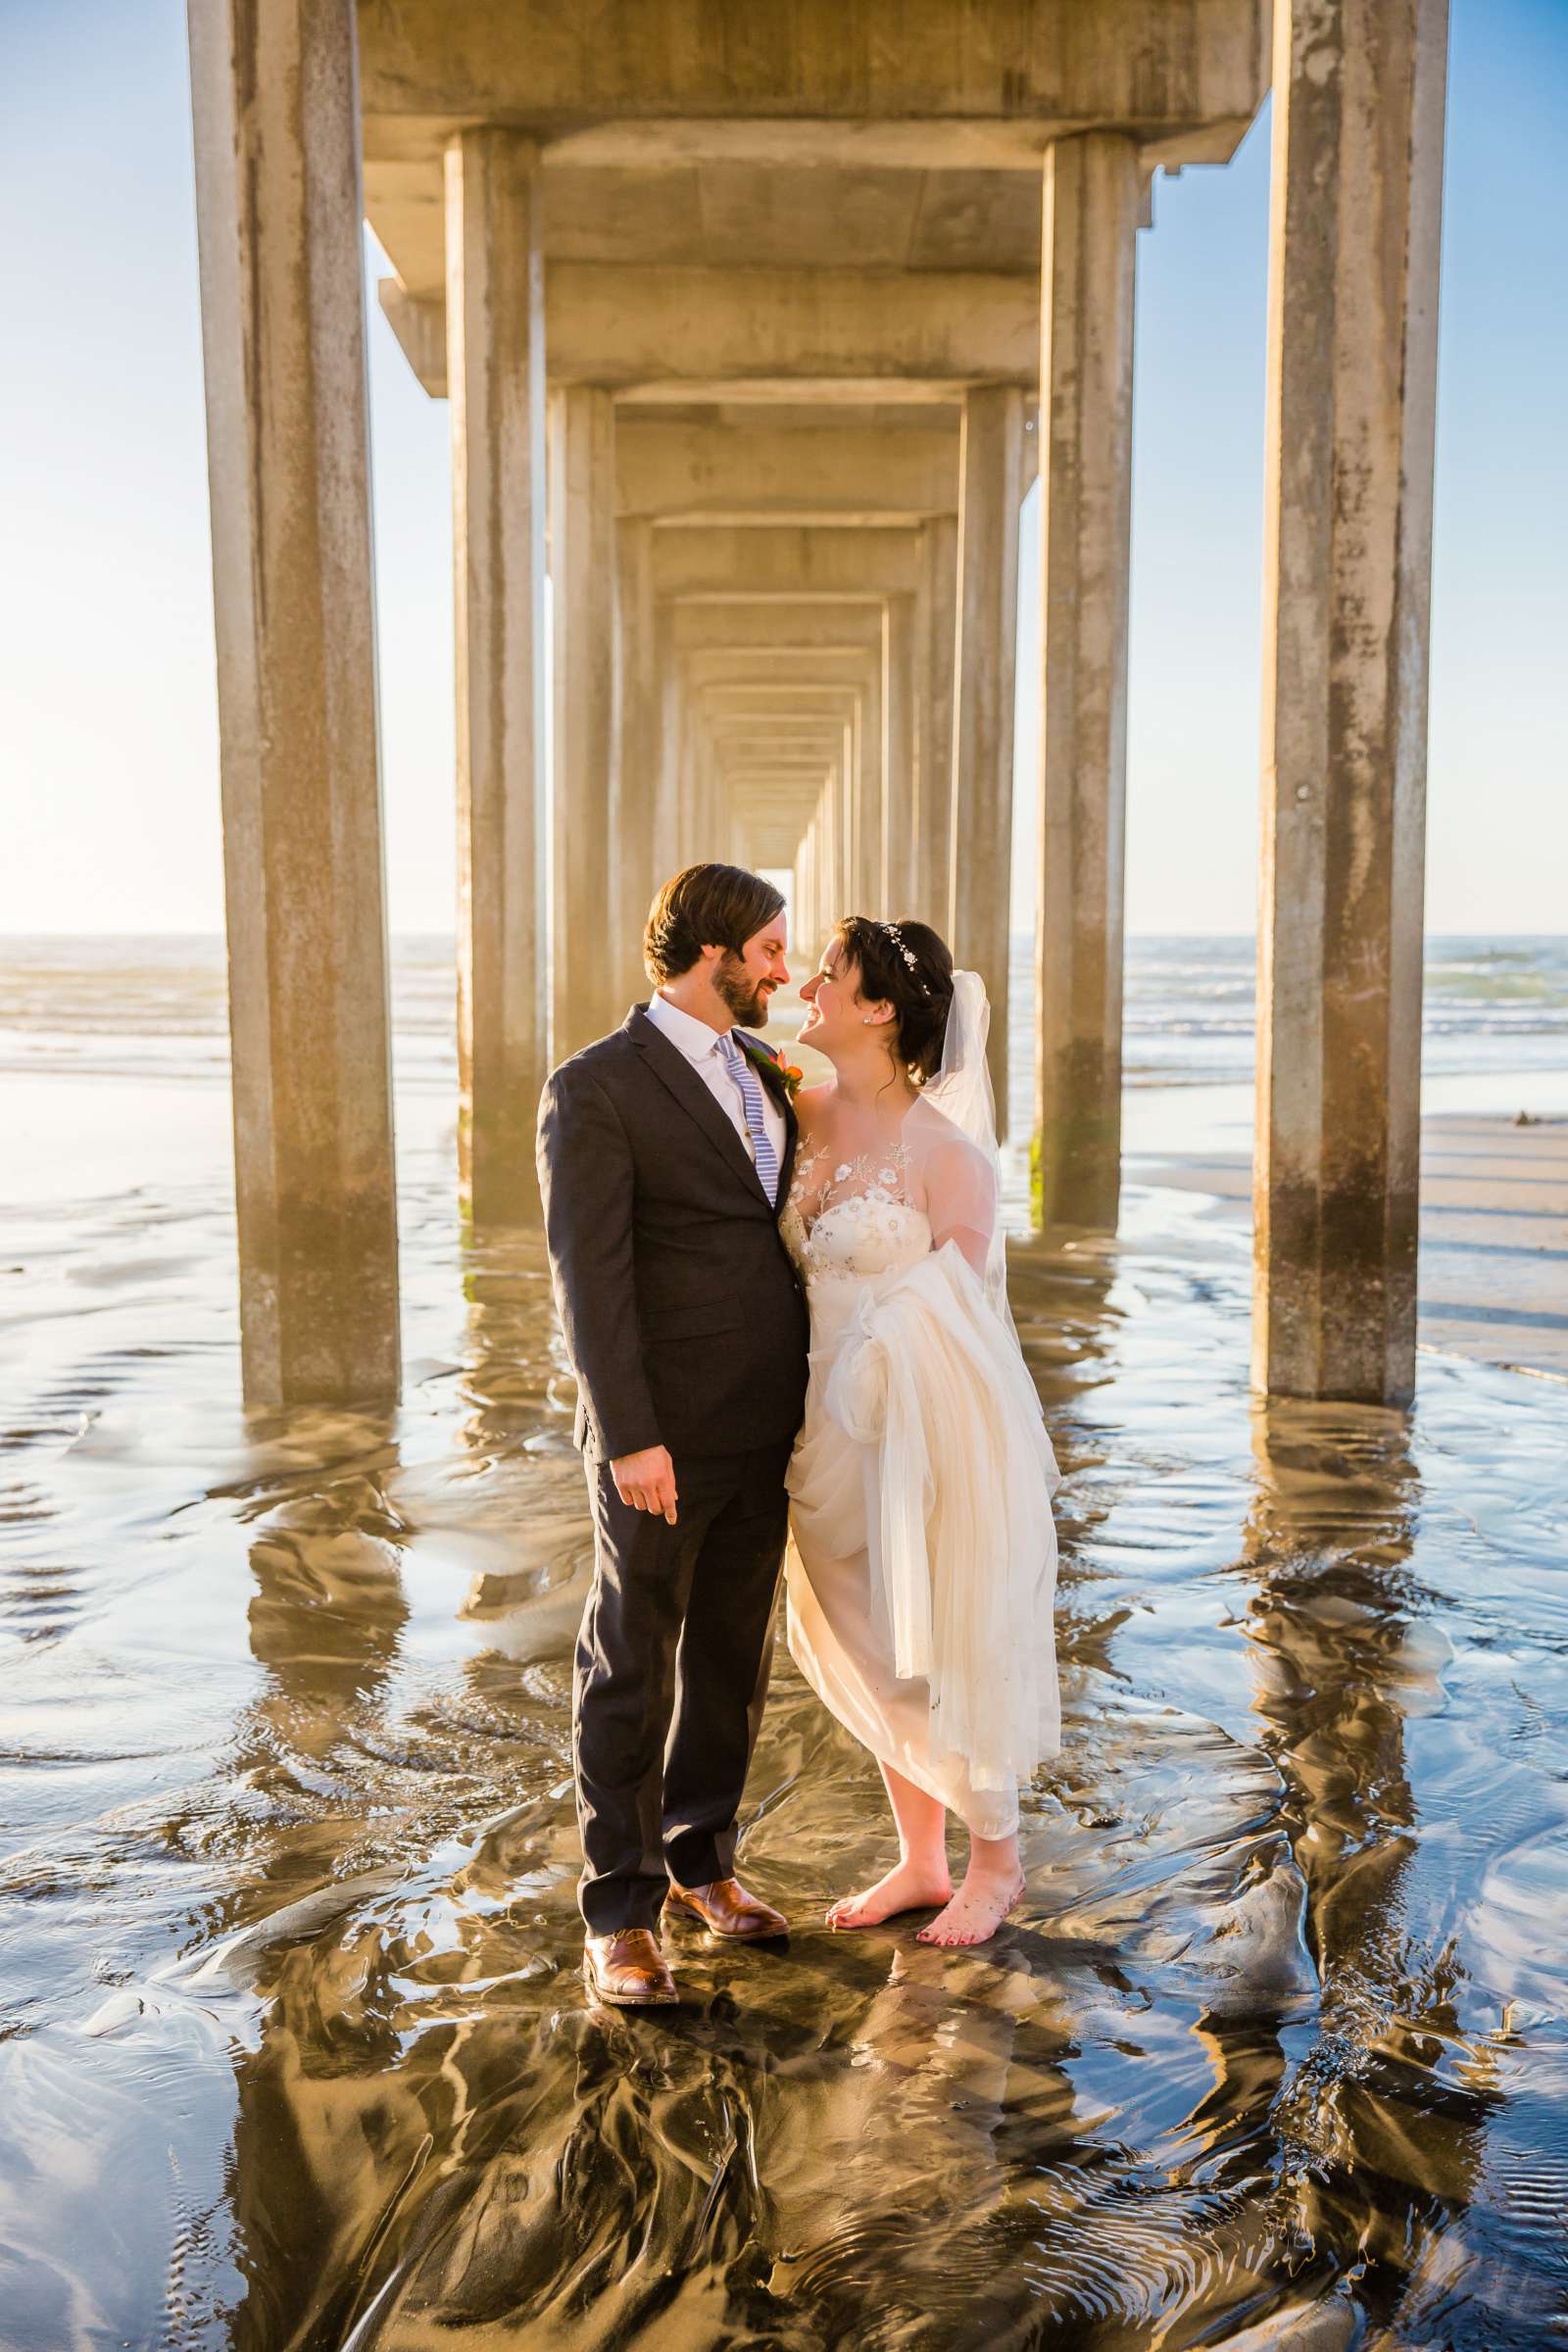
(751, 1085)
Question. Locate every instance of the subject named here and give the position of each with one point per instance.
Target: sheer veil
(961, 1096)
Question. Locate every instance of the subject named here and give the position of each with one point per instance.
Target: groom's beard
(743, 996)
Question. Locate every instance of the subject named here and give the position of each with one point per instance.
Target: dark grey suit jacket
(684, 1317)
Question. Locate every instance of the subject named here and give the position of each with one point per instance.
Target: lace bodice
(855, 1219)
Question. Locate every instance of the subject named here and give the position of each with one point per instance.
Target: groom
(664, 1155)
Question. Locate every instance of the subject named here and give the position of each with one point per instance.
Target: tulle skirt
(922, 1562)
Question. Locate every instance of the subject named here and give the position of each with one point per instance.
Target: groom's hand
(645, 1480)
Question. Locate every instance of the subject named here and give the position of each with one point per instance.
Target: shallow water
(295, 2049)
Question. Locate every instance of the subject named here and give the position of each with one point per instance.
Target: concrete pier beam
(990, 478)
(585, 990)
(832, 467)
(805, 623)
(789, 671)
(741, 566)
(276, 109)
(496, 371)
(1358, 129)
(1092, 198)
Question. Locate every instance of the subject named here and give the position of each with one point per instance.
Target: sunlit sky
(107, 720)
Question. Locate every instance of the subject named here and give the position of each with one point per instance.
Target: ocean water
(155, 1007)
(293, 2045)
(1486, 1005)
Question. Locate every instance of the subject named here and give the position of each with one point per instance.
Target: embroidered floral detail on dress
(888, 1222)
(851, 1178)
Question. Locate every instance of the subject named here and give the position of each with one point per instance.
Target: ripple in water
(296, 2053)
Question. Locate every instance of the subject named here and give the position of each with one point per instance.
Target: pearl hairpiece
(906, 951)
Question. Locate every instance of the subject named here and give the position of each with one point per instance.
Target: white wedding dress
(921, 1568)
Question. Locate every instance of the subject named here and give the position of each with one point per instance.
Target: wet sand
(1494, 1279)
(295, 2051)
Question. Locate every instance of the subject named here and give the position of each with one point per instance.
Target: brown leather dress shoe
(627, 1969)
(726, 1909)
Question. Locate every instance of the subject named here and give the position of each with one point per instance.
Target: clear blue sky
(108, 727)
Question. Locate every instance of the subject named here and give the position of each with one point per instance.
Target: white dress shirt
(700, 1046)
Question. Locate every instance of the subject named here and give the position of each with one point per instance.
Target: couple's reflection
(432, 2131)
(437, 2135)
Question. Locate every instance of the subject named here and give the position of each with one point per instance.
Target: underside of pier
(756, 327)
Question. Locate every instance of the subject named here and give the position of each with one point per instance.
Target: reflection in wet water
(296, 2048)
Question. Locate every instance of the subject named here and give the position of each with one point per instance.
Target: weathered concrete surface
(767, 669)
(773, 715)
(683, 136)
(584, 986)
(929, 862)
(607, 323)
(639, 744)
(991, 467)
(495, 320)
(766, 473)
(772, 255)
(611, 323)
(821, 640)
(278, 209)
(1086, 375)
(802, 624)
(1353, 364)
(769, 565)
(766, 139)
(782, 686)
(822, 870)
(900, 742)
(708, 815)
(1024, 64)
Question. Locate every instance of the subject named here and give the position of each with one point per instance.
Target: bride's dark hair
(906, 966)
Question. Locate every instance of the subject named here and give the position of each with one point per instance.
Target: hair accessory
(905, 950)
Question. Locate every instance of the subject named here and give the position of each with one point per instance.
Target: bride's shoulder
(811, 1102)
(948, 1165)
(931, 1131)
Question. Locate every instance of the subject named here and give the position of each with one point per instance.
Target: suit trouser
(671, 1674)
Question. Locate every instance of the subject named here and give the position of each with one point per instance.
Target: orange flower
(768, 1056)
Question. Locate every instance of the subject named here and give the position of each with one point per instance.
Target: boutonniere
(788, 1076)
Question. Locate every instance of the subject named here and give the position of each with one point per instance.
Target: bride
(921, 1567)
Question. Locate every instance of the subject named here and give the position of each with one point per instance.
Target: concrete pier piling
(1086, 375)
(495, 391)
(279, 206)
(582, 553)
(991, 473)
(1359, 97)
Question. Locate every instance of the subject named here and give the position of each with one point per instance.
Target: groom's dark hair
(704, 906)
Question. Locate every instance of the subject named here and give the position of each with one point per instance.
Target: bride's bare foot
(908, 1886)
(976, 1911)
